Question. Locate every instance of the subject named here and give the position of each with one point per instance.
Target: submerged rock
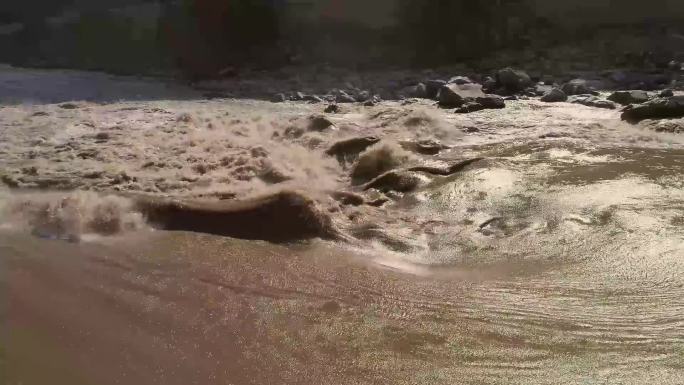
(447, 169)
(283, 217)
(348, 198)
(332, 109)
(69, 106)
(629, 97)
(469, 107)
(352, 147)
(396, 180)
(320, 123)
(592, 101)
(424, 147)
(659, 108)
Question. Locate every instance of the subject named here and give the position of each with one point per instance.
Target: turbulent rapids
(240, 241)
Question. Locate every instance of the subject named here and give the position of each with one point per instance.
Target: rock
(282, 217)
(69, 106)
(530, 91)
(576, 87)
(542, 89)
(482, 103)
(446, 170)
(629, 97)
(343, 97)
(331, 307)
(377, 160)
(659, 108)
(32, 171)
(200, 168)
(554, 95)
(348, 198)
(9, 181)
(296, 97)
(273, 175)
(416, 91)
(102, 136)
(93, 174)
(491, 101)
(513, 80)
(469, 107)
(672, 126)
(320, 123)
(489, 83)
(312, 99)
(424, 147)
(666, 93)
(362, 96)
(332, 109)
(396, 180)
(606, 104)
(420, 91)
(592, 101)
(352, 147)
(432, 88)
(459, 80)
(455, 95)
(40, 113)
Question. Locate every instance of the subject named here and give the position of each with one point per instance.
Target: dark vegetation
(208, 38)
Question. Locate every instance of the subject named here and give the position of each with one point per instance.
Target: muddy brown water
(554, 261)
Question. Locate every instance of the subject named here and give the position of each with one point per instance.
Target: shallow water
(556, 260)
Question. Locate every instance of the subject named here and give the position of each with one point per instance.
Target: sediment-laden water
(215, 242)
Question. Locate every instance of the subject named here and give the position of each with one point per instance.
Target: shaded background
(204, 38)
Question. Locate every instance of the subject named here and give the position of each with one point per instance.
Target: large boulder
(629, 97)
(455, 95)
(659, 108)
(415, 91)
(577, 87)
(432, 88)
(460, 80)
(555, 95)
(513, 80)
